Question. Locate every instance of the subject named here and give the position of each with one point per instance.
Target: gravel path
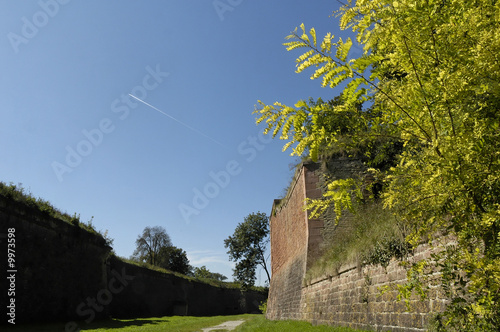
(231, 325)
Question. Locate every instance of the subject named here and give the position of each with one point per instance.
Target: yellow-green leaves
(333, 68)
(431, 71)
(339, 194)
(312, 32)
(343, 49)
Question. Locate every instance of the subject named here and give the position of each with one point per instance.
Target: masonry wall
(58, 264)
(151, 293)
(354, 298)
(65, 273)
(288, 228)
(350, 297)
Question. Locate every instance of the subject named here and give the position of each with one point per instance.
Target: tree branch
(367, 81)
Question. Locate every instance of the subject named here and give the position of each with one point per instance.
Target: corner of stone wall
(352, 297)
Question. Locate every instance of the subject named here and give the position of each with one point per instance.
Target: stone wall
(65, 273)
(151, 293)
(351, 297)
(57, 264)
(355, 298)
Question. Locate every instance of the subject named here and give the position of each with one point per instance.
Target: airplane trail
(179, 121)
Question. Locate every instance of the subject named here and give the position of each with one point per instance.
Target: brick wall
(353, 296)
(288, 224)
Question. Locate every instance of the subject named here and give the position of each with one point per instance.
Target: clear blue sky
(70, 133)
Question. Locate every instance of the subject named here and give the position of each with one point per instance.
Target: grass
(19, 194)
(185, 324)
(356, 239)
(154, 324)
(260, 324)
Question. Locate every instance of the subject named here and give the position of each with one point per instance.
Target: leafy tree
(174, 259)
(204, 273)
(247, 247)
(431, 72)
(149, 244)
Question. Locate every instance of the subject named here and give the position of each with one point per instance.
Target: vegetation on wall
(430, 71)
(204, 273)
(210, 281)
(19, 194)
(371, 235)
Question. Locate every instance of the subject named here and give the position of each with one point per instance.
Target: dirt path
(231, 325)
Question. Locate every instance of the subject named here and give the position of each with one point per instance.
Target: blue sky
(71, 134)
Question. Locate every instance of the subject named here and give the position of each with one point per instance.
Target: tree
(174, 259)
(430, 71)
(204, 273)
(247, 247)
(149, 244)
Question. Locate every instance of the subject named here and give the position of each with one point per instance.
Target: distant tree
(204, 273)
(174, 259)
(149, 244)
(247, 247)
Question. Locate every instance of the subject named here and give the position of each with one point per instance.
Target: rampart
(57, 264)
(155, 294)
(65, 273)
(352, 295)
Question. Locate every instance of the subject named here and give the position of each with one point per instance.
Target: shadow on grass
(110, 324)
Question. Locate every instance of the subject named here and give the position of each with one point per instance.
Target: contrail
(182, 123)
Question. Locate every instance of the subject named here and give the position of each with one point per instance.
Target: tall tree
(174, 259)
(247, 247)
(149, 244)
(431, 71)
(204, 273)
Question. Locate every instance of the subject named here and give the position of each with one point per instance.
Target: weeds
(19, 194)
(370, 236)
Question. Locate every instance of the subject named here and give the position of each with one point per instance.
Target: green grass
(184, 324)
(260, 324)
(155, 324)
(357, 239)
(19, 194)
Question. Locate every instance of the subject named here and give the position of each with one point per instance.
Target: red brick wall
(288, 225)
(311, 178)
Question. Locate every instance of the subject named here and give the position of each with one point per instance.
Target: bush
(263, 307)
